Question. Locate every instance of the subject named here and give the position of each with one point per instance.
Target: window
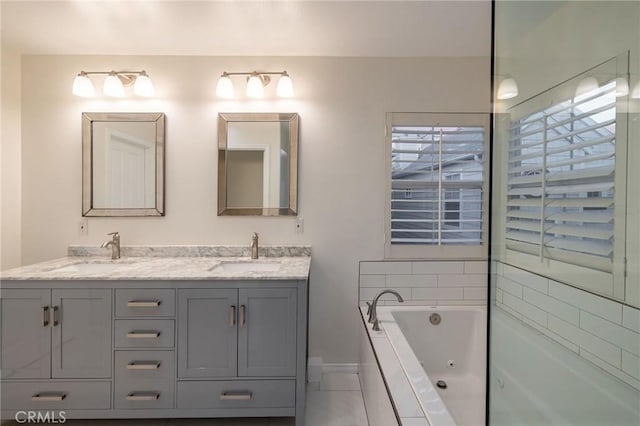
(562, 196)
(436, 190)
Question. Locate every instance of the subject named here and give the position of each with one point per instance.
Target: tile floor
(337, 401)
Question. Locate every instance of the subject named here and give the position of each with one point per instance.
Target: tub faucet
(373, 316)
(114, 243)
(254, 245)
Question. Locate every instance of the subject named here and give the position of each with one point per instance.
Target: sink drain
(435, 319)
(441, 384)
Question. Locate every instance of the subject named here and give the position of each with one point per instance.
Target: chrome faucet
(373, 316)
(114, 243)
(254, 245)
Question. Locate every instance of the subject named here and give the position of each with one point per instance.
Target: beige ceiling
(249, 28)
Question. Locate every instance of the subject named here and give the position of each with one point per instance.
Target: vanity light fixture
(114, 83)
(256, 82)
(586, 85)
(507, 89)
(635, 93)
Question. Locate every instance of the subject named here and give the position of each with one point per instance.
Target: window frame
(445, 251)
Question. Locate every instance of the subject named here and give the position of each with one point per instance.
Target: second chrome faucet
(254, 245)
(373, 315)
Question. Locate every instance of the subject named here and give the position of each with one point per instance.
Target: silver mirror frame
(223, 120)
(88, 118)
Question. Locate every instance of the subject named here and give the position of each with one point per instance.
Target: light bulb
(507, 89)
(285, 86)
(82, 86)
(143, 85)
(635, 93)
(224, 88)
(622, 87)
(587, 85)
(113, 86)
(255, 89)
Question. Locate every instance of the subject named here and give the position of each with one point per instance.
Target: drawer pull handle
(143, 396)
(53, 316)
(232, 315)
(143, 303)
(49, 396)
(45, 316)
(243, 318)
(143, 334)
(143, 365)
(235, 396)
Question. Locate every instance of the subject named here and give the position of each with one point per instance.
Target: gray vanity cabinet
(237, 332)
(60, 333)
(207, 334)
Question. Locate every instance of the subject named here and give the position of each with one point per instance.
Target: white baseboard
(316, 368)
(347, 368)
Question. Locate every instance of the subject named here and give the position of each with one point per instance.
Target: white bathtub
(422, 354)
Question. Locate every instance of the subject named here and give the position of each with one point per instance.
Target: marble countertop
(170, 263)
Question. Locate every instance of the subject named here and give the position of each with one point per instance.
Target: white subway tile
(597, 305)
(510, 287)
(466, 280)
(412, 281)
(529, 311)
(498, 295)
(476, 293)
(611, 332)
(632, 381)
(369, 293)
(631, 318)
(554, 306)
(509, 310)
(436, 293)
(602, 349)
(631, 364)
(528, 279)
(372, 280)
(476, 267)
(500, 268)
(550, 334)
(438, 267)
(385, 268)
(408, 302)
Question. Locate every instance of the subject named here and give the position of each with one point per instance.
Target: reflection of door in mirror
(265, 138)
(124, 165)
(245, 188)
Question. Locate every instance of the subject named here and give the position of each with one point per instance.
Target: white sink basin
(92, 268)
(247, 266)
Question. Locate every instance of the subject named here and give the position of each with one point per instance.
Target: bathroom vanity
(182, 333)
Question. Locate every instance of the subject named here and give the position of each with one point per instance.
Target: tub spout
(373, 316)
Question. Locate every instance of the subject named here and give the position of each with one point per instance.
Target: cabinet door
(207, 333)
(81, 341)
(26, 335)
(267, 333)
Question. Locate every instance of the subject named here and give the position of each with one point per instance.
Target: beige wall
(10, 160)
(342, 104)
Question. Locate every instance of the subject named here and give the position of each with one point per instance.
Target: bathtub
(432, 361)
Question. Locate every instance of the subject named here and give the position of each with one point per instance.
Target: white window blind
(561, 181)
(437, 175)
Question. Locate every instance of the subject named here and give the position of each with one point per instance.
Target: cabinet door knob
(143, 365)
(53, 316)
(232, 315)
(49, 396)
(243, 318)
(235, 396)
(143, 396)
(143, 334)
(143, 303)
(45, 316)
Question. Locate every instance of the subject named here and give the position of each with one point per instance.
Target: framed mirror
(258, 164)
(122, 164)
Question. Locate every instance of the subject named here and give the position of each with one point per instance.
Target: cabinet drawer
(145, 303)
(56, 395)
(237, 394)
(141, 374)
(140, 333)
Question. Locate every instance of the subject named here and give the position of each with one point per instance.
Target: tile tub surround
(168, 263)
(602, 331)
(441, 282)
